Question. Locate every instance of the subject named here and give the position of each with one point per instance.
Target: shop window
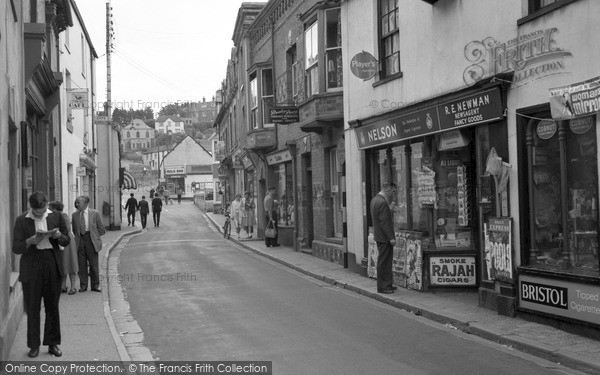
(285, 198)
(563, 175)
(311, 51)
(335, 180)
(389, 37)
(333, 48)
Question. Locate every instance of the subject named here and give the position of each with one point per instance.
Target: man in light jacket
(88, 227)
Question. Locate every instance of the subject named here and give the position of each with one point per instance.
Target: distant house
(169, 124)
(138, 136)
(187, 166)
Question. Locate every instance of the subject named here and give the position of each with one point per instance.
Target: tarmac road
(197, 296)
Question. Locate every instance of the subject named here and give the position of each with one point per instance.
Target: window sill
(387, 79)
(543, 11)
(335, 240)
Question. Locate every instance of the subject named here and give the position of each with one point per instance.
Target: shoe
(276, 245)
(97, 290)
(54, 350)
(63, 290)
(81, 290)
(72, 291)
(33, 352)
(268, 245)
(392, 287)
(386, 291)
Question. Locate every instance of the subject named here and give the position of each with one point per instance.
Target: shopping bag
(270, 231)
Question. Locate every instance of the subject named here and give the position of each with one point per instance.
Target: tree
(121, 117)
(170, 109)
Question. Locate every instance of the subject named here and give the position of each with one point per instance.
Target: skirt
(248, 219)
(69, 257)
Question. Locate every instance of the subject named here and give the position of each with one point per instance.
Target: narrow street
(197, 296)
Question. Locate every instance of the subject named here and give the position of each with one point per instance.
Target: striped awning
(128, 181)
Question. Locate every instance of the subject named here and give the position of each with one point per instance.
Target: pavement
(90, 332)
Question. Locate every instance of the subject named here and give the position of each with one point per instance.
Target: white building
(79, 136)
(187, 166)
(169, 125)
(137, 136)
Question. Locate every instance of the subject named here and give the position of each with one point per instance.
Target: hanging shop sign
(284, 115)
(452, 271)
(498, 249)
(560, 298)
(220, 152)
(407, 261)
(469, 110)
(247, 162)
(77, 99)
(364, 65)
(579, 99)
(531, 56)
(81, 171)
(279, 157)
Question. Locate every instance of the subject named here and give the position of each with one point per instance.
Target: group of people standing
(242, 214)
(52, 247)
(132, 205)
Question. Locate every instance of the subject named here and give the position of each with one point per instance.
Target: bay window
(333, 48)
(267, 96)
(253, 102)
(311, 43)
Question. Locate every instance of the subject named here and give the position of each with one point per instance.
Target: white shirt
(41, 224)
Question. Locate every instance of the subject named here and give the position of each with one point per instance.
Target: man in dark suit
(156, 209)
(383, 230)
(131, 206)
(88, 227)
(144, 210)
(37, 236)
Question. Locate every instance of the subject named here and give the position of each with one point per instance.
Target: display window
(284, 198)
(563, 204)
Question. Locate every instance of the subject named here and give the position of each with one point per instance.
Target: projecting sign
(364, 65)
(77, 99)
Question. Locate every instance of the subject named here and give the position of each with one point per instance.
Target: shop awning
(128, 181)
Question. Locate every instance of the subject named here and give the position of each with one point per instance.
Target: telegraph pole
(113, 192)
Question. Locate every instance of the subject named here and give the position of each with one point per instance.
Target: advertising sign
(364, 65)
(579, 99)
(498, 249)
(452, 271)
(179, 169)
(284, 115)
(78, 99)
(279, 157)
(81, 171)
(561, 298)
(407, 263)
(220, 152)
(469, 110)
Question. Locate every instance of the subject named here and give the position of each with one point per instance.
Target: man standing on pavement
(131, 206)
(156, 208)
(144, 210)
(37, 236)
(270, 215)
(87, 227)
(383, 230)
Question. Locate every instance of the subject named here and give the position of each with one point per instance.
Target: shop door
(308, 202)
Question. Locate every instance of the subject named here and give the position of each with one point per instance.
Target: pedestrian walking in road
(248, 217)
(69, 255)
(144, 210)
(166, 194)
(156, 209)
(271, 216)
(131, 207)
(152, 191)
(383, 230)
(88, 227)
(179, 192)
(236, 214)
(37, 236)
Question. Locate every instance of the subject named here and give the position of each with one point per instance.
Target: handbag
(270, 231)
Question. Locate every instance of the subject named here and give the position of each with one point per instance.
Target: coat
(96, 227)
(156, 205)
(383, 221)
(143, 207)
(25, 228)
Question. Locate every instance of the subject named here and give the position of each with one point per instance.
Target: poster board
(407, 263)
(373, 254)
(498, 252)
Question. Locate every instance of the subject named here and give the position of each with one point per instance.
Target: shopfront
(560, 273)
(281, 177)
(439, 157)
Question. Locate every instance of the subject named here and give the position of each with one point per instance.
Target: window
(137, 134)
(128, 134)
(389, 47)
(147, 134)
(284, 197)
(292, 59)
(267, 96)
(333, 48)
(311, 43)
(83, 56)
(253, 102)
(564, 189)
(538, 4)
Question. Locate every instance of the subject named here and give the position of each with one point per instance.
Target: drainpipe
(292, 149)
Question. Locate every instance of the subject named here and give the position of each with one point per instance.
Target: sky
(165, 51)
